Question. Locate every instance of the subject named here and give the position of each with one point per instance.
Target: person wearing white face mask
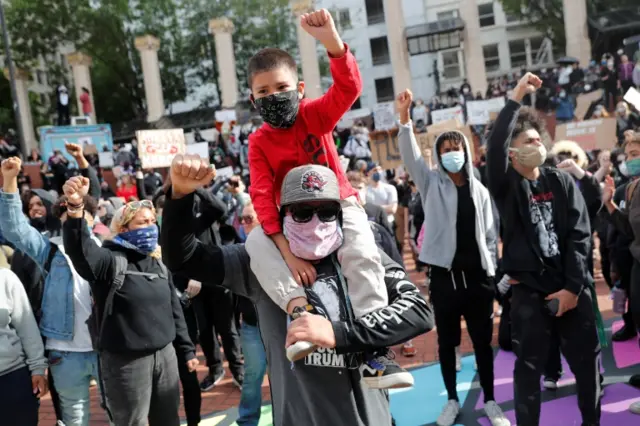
(546, 242)
(460, 245)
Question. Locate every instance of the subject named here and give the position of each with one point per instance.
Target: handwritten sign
(384, 116)
(384, 148)
(589, 134)
(158, 147)
(454, 113)
(479, 112)
(201, 149)
(584, 101)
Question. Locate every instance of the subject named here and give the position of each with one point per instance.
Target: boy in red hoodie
(297, 132)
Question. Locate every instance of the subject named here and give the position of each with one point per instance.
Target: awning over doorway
(434, 36)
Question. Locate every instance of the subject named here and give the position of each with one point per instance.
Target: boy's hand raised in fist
(319, 25)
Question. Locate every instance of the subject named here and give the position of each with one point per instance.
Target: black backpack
(97, 319)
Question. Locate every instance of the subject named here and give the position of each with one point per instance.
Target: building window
(512, 18)
(539, 51)
(448, 14)
(485, 13)
(356, 104)
(41, 77)
(342, 18)
(450, 65)
(491, 57)
(518, 53)
(375, 11)
(379, 51)
(384, 90)
(43, 99)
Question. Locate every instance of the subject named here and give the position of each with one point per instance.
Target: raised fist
(190, 172)
(76, 189)
(11, 167)
(403, 100)
(528, 84)
(319, 25)
(73, 149)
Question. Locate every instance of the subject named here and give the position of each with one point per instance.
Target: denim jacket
(57, 301)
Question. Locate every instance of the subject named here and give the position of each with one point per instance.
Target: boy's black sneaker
(211, 380)
(383, 372)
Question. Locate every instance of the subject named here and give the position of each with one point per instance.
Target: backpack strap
(118, 280)
(52, 253)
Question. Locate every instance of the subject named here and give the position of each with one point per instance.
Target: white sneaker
(458, 359)
(635, 407)
(449, 413)
(495, 414)
(475, 365)
(550, 384)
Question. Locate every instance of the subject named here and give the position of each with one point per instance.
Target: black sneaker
(211, 380)
(635, 381)
(382, 372)
(624, 334)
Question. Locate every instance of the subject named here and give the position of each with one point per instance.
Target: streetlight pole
(12, 78)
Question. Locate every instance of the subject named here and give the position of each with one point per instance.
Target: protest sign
(584, 101)
(384, 148)
(201, 149)
(384, 116)
(344, 163)
(105, 159)
(479, 112)
(633, 97)
(454, 113)
(93, 139)
(224, 172)
(589, 134)
(157, 148)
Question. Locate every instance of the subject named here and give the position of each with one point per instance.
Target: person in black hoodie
(137, 358)
(546, 242)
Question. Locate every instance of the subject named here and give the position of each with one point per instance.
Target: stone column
(80, 65)
(148, 47)
(394, 16)
(576, 31)
(26, 119)
(475, 71)
(222, 28)
(308, 52)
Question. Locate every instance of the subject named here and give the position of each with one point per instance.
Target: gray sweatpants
(358, 257)
(141, 390)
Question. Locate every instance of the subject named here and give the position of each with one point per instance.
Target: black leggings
(190, 384)
(468, 294)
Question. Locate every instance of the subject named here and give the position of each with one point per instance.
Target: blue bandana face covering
(143, 240)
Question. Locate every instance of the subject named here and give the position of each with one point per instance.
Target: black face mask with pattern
(279, 109)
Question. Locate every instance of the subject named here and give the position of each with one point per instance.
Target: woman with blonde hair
(139, 310)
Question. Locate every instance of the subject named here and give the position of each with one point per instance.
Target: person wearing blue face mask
(138, 318)
(460, 245)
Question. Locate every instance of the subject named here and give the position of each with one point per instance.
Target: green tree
(548, 15)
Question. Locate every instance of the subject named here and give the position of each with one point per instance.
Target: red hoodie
(273, 152)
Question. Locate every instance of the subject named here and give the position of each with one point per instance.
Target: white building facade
(435, 32)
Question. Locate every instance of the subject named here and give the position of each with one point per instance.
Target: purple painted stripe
(626, 353)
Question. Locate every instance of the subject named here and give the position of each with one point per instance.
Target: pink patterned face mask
(313, 240)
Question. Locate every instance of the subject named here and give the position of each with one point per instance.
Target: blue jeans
(72, 372)
(255, 367)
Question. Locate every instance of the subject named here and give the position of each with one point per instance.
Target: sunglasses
(247, 219)
(304, 213)
(137, 205)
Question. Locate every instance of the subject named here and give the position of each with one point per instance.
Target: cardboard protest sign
(105, 159)
(384, 116)
(157, 148)
(589, 134)
(584, 101)
(384, 148)
(479, 112)
(454, 113)
(428, 140)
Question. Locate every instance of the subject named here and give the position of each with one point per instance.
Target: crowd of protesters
(295, 260)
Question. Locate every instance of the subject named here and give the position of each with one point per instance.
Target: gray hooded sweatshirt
(20, 342)
(440, 201)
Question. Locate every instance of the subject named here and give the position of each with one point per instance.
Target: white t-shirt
(383, 195)
(82, 310)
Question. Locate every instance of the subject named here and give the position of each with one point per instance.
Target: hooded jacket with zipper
(440, 201)
(521, 255)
